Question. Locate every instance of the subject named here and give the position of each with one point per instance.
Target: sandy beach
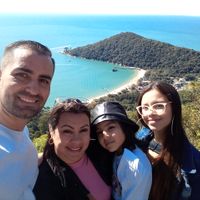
(134, 80)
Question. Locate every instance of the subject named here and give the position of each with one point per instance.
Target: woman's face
(110, 135)
(71, 136)
(158, 117)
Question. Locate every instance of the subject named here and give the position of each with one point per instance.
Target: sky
(108, 7)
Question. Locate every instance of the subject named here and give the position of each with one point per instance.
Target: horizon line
(99, 14)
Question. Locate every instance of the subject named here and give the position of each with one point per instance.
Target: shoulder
(26, 131)
(194, 178)
(143, 138)
(46, 175)
(135, 175)
(196, 158)
(191, 157)
(143, 133)
(135, 160)
(47, 185)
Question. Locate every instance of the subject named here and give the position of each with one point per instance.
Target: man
(27, 68)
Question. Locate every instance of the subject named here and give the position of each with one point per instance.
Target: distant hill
(129, 49)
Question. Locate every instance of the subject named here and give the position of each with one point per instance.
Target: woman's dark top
(57, 181)
(188, 186)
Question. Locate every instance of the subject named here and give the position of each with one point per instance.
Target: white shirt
(18, 165)
(134, 173)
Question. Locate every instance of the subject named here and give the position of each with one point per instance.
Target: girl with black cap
(131, 168)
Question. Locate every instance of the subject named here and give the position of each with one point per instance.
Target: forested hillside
(191, 113)
(162, 62)
(128, 49)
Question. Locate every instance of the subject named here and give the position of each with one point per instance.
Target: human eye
(99, 132)
(21, 76)
(144, 108)
(85, 130)
(159, 106)
(44, 82)
(67, 132)
(111, 127)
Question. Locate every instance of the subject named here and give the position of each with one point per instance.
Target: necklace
(155, 146)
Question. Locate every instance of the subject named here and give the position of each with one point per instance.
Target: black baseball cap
(111, 111)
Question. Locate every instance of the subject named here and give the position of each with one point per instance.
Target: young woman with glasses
(175, 161)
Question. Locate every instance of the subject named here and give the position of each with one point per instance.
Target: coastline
(127, 85)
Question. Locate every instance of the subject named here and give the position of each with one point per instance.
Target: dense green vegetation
(165, 61)
(38, 126)
(162, 62)
(191, 113)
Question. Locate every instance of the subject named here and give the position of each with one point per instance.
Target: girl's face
(155, 115)
(110, 135)
(71, 136)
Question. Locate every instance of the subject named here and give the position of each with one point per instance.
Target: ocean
(81, 78)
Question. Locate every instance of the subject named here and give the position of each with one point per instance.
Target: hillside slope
(130, 49)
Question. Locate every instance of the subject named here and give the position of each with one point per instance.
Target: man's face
(25, 83)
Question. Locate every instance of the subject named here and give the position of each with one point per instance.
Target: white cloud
(162, 7)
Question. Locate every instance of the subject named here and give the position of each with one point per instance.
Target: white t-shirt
(18, 165)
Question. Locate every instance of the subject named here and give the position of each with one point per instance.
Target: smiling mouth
(74, 149)
(29, 100)
(152, 121)
(108, 143)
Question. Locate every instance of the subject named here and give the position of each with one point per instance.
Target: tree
(40, 142)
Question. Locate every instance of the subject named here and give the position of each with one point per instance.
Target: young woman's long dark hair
(164, 172)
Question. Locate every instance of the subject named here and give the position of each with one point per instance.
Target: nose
(106, 134)
(33, 87)
(76, 137)
(151, 111)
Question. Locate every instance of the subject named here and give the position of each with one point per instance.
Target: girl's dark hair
(173, 144)
(130, 140)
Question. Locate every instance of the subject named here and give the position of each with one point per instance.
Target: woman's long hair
(102, 163)
(164, 172)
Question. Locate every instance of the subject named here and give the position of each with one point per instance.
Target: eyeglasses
(158, 108)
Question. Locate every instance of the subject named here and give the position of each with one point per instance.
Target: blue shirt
(133, 176)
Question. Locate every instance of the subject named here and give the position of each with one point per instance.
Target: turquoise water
(82, 78)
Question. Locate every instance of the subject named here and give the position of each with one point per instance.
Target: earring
(172, 126)
(50, 141)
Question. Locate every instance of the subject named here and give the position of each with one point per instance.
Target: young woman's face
(110, 135)
(155, 115)
(71, 136)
